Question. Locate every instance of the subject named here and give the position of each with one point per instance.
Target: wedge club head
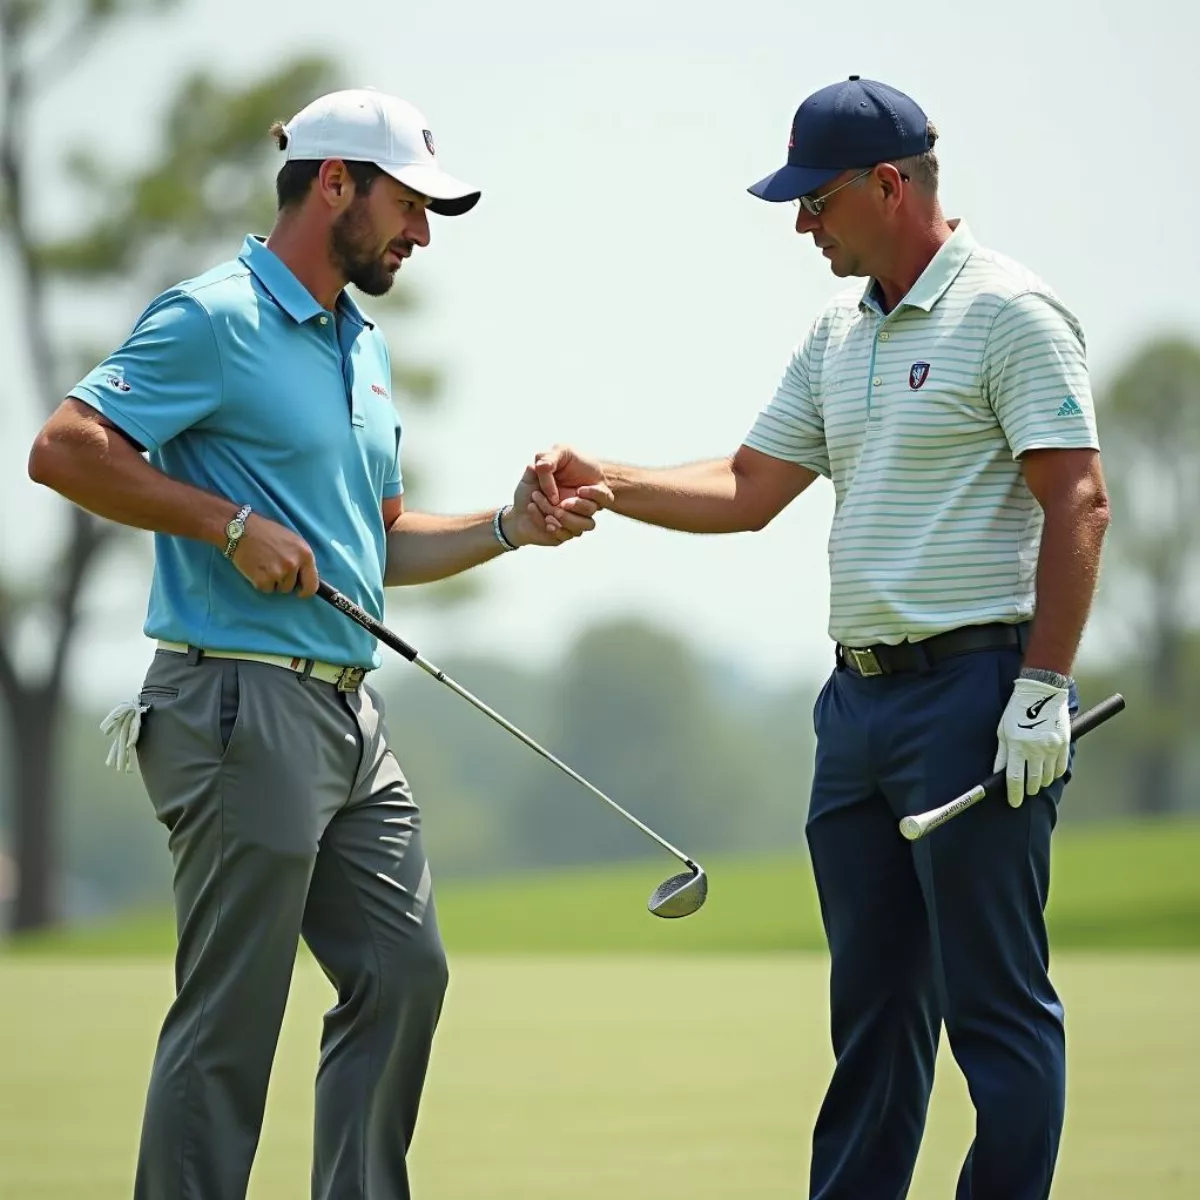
(681, 895)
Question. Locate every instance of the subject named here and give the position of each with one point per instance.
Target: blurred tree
(634, 710)
(134, 232)
(1150, 431)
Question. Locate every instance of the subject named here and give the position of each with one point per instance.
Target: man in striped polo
(949, 403)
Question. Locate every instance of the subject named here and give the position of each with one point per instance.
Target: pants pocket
(229, 703)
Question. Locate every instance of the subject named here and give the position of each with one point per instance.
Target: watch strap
(240, 519)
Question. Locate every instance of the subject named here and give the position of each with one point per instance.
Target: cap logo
(428, 141)
(917, 374)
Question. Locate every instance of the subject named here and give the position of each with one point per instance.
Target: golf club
(922, 823)
(679, 896)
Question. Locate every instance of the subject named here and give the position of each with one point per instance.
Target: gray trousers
(288, 817)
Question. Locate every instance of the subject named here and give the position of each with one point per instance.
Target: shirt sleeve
(792, 426)
(1036, 376)
(164, 378)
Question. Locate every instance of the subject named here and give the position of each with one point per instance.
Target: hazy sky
(618, 288)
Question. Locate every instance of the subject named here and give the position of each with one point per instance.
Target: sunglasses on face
(814, 205)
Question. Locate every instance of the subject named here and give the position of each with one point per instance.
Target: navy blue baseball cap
(857, 123)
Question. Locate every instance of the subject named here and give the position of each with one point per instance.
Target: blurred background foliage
(720, 765)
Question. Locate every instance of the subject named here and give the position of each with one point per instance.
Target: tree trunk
(36, 727)
(1155, 780)
(36, 715)
(1158, 766)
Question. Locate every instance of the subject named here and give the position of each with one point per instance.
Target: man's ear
(889, 180)
(334, 183)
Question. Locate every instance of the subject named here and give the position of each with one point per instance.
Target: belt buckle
(351, 679)
(863, 661)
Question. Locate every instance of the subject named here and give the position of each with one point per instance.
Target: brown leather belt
(882, 659)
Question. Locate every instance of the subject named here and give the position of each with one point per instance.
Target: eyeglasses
(814, 205)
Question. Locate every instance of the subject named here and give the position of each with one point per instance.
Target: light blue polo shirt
(240, 383)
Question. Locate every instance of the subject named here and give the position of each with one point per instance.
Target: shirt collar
(348, 308)
(935, 280)
(287, 291)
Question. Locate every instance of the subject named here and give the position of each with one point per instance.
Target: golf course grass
(632, 1076)
(591, 1051)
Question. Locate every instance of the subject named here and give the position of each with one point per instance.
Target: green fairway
(1115, 886)
(634, 1077)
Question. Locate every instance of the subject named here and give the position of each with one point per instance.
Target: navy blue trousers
(948, 930)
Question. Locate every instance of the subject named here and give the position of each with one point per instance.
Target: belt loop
(307, 672)
(921, 654)
(1023, 635)
(193, 655)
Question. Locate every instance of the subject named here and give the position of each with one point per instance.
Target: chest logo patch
(917, 374)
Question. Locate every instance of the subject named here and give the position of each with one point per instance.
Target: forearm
(423, 547)
(99, 470)
(1068, 567)
(703, 497)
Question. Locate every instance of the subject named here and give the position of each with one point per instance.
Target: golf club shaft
(385, 635)
(918, 826)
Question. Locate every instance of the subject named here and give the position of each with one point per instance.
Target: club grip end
(1097, 715)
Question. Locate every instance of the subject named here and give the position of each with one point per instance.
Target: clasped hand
(552, 504)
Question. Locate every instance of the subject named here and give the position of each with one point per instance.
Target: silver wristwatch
(235, 529)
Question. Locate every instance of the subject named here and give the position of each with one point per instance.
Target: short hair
(922, 169)
(295, 178)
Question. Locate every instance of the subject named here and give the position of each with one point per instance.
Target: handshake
(558, 498)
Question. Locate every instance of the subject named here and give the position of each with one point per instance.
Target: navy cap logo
(429, 141)
(917, 374)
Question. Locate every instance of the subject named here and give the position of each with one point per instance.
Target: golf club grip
(1084, 723)
(918, 826)
(340, 601)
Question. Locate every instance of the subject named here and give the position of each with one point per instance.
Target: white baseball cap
(363, 125)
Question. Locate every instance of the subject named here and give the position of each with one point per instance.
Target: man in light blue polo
(261, 395)
(948, 402)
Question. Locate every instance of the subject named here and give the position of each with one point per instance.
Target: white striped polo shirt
(918, 417)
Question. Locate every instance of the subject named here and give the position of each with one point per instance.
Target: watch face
(235, 528)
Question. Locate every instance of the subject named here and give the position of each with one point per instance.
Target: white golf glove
(1034, 738)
